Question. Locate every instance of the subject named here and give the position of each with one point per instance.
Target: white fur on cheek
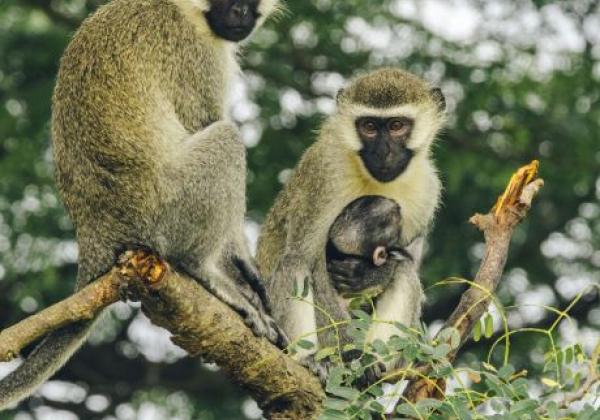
(347, 133)
(202, 5)
(427, 123)
(267, 7)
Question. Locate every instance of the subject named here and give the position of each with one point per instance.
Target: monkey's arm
(292, 247)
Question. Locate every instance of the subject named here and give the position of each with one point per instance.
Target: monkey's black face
(233, 20)
(384, 140)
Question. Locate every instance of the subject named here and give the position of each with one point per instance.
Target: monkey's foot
(319, 369)
(141, 265)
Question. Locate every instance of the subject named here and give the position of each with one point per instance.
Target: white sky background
(487, 34)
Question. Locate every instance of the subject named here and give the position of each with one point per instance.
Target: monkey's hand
(355, 275)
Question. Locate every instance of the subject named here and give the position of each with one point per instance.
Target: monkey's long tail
(48, 357)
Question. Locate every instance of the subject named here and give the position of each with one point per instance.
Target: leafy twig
(497, 226)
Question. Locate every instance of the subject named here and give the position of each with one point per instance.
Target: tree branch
(497, 227)
(82, 306)
(203, 325)
(200, 323)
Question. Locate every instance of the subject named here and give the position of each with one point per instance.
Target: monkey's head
(389, 117)
(234, 20)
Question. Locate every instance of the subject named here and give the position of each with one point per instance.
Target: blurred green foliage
(522, 79)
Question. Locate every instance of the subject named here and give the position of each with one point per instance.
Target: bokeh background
(522, 79)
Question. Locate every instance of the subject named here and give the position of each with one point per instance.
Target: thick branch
(201, 324)
(497, 227)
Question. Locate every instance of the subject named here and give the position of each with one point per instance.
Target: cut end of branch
(143, 265)
(512, 206)
(512, 195)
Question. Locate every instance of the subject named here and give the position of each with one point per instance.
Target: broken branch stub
(497, 226)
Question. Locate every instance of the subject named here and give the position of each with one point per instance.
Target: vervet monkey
(377, 142)
(145, 157)
(362, 243)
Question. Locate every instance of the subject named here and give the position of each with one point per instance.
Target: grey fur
(330, 176)
(364, 228)
(144, 158)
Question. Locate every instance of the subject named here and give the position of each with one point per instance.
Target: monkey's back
(129, 89)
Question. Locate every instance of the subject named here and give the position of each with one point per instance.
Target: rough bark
(200, 323)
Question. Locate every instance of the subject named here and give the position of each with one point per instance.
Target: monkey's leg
(401, 302)
(331, 317)
(208, 188)
(290, 290)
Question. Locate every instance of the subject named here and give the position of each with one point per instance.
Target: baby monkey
(364, 247)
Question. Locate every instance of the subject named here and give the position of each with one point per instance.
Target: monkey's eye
(399, 128)
(369, 128)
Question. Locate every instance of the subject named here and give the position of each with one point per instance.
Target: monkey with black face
(377, 142)
(145, 157)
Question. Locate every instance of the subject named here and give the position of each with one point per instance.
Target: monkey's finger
(400, 254)
(280, 338)
(256, 324)
(254, 279)
(318, 369)
(350, 268)
(252, 298)
(344, 286)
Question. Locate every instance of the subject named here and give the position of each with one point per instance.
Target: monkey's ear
(339, 95)
(439, 98)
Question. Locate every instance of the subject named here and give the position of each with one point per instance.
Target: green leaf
(376, 391)
(403, 328)
(506, 372)
(428, 404)
(569, 355)
(360, 314)
(349, 347)
(441, 351)
(344, 392)
(407, 410)
(336, 404)
(306, 287)
(477, 331)
(324, 353)
(577, 380)
(329, 414)
(521, 408)
(377, 407)
(552, 409)
(305, 344)
(489, 326)
(380, 347)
